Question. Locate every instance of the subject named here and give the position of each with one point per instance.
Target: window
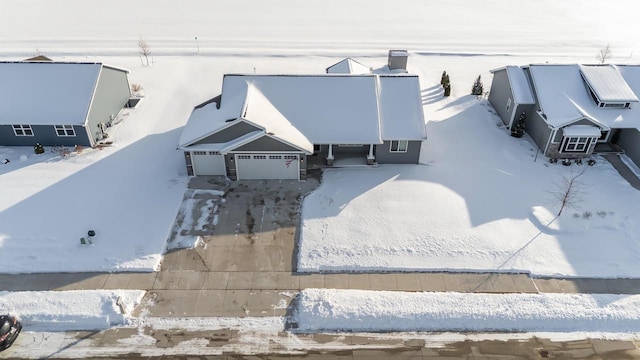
(399, 146)
(508, 104)
(22, 130)
(65, 130)
(260, 157)
(244, 157)
(199, 153)
(603, 135)
(275, 157)
(291, 157)
(577, 144)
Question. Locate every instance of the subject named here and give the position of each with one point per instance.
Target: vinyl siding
(43, 134)
(231, 133)
(412, 156)
(111, 95)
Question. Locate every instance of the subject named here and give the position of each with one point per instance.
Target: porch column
(330, 156)
(370, 157)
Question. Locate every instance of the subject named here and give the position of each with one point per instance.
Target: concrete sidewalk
(245, 266)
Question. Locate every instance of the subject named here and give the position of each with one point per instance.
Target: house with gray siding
(274, 126)
(572, 111)
(59, 103)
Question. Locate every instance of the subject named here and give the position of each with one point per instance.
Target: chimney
(398, 59)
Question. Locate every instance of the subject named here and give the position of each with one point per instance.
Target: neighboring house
(348, 66)
(56, 103)
(572, 111)
(272, 126)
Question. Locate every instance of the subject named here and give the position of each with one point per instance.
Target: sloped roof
(46, 93)
(608, 84)
(259, 110)
(564, 98)
(522, 93)
(325, 108)
(401, 113)
(348, 66)
(317, 109)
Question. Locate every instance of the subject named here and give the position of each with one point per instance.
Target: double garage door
(271, 166)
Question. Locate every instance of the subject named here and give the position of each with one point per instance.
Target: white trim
(22, 128)
(399, 148)
(65, 129)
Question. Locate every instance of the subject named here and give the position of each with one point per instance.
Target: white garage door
(208, 163)
(273, 166)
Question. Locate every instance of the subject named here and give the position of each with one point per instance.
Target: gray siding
(384, 156)
(538, 130)
(111, 95)
(45, 135)
(337, 149)
(500, 94)
(266, 143)
(629, 140)
(231, 133)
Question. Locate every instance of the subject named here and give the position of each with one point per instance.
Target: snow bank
(359, 310)
(71, 310)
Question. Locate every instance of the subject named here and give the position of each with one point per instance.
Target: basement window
(65, 130)
(22, 130)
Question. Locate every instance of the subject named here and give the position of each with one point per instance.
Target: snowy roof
(325, 108)
(348, 66)
(303, 110)
(401, 112)
(564, 98)
(581, 130)
(522, 93)
(46, 93)
(607, 83)
(398, 53)
(259, 110)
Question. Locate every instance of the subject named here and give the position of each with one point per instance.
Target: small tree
(569, 191)
(143, 49)
(443, 77)
(447, 86)
(604, 54)
(477, 88)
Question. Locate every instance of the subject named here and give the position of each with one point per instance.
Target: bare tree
(604, 54)
(569, 191)
(144, 50)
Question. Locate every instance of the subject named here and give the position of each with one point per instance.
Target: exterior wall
(384, 156)
(266, 143)
(337, 149)
(500, 94)
(111, 94)
(556, 142)
(537, 129)
(629, 140)
(45, 135)
(231, 133)
(188, 162)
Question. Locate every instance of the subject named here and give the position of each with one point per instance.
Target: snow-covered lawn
(71, 310)
(479, 202)
(359, 310)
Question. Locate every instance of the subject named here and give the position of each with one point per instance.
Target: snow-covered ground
(360, 310)
(479, 202)
(475, 178)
